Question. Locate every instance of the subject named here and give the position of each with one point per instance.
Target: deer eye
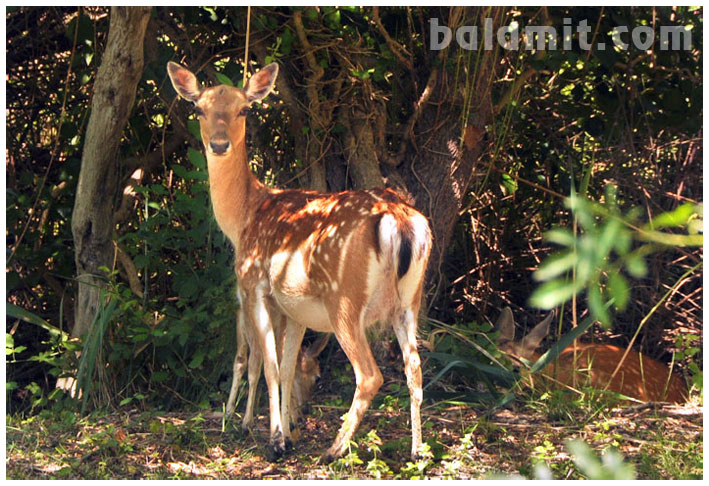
(244, 112)
(197, 111)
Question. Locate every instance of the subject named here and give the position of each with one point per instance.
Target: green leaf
(623, 242)
(670, 219)
(509, 184)
(556, 265)
(159, 376)
(332, 20)
(582, 210)
(197, 175)
(560, 236)
(636, 266)
(197, 158)
(611, 466)
(86, 29)
(20, 313)
(158, 189)
(180, 171)
(597, 306)
(193, 128)
(608, 237)
(619, 289)
(287, 41)
(224, 79)
(553, 293)
(141, 261)
(197, 359)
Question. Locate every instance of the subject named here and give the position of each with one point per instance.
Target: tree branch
(397, 49)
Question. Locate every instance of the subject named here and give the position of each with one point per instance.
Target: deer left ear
(184, 82)
(261, 83)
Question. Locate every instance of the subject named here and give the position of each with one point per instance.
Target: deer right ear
(184, 82)
(261, 83)
(532, 340)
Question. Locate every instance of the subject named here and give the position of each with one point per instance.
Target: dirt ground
(465, 444)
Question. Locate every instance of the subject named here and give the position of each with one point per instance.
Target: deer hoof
(275, 452)
(277, 447)
(326, 458)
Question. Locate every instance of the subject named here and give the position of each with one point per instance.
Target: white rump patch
(389, 238)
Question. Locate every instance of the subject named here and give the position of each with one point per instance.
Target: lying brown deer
(640, 377)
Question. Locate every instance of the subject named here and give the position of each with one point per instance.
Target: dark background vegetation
(487, 143)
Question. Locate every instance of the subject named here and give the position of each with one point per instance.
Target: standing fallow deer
(639, 377)
(332, 262)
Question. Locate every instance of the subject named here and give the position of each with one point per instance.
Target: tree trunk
(440, 158)
(98, 192)
(361, 151)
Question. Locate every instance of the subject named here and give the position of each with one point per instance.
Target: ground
(662, 442)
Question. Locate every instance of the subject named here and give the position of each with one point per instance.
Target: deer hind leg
(292, 339)
(405, 330)
(242, 350)
(265, 336)
(350, 334)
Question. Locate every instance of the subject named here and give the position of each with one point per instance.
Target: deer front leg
(350, 334)
(262, 326)
(405, 330)
(242, 350)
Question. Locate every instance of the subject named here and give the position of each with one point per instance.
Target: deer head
(215, 107)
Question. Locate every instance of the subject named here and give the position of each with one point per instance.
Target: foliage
(585, 264)
(611, 465)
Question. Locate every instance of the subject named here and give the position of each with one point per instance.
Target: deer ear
(532, 340)
(184, 82)
(506, 325)
(261, 83)
(318, 346)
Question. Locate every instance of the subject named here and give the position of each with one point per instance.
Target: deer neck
(234, 191)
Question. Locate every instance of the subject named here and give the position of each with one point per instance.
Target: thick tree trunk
(439, 161)
(98, 188)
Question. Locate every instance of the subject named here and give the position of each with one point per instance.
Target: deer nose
(219, 147)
